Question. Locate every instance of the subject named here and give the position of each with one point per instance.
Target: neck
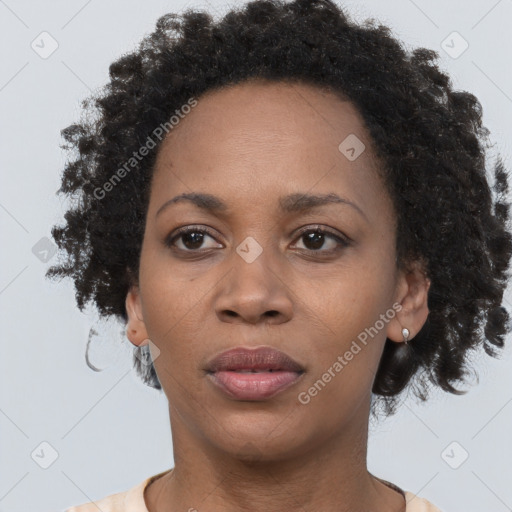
(330, 475)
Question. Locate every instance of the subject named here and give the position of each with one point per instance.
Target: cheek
(356, 309)
(172, 325)
(168, 296)
(171, 315)
(352, 298)
(346, 359)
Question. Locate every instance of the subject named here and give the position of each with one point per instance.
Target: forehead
(268, 138)
(273, 113)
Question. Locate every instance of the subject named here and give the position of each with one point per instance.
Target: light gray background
(110, 431)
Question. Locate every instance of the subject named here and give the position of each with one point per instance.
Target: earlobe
(135, 326)
(412, 295)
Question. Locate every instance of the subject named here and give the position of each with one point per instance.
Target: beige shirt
(133, 500)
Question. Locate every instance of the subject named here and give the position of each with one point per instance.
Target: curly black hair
(428, 137)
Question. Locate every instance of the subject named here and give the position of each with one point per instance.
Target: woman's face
(254, 279)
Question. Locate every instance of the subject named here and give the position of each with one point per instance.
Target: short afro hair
(429, 138)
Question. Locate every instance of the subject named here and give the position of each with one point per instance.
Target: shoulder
(111, 503)
(416, 504)
(413, 503)
(131, 500)
(127, 501)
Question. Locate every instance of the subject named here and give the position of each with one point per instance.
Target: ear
(412, 293)
(135, 327)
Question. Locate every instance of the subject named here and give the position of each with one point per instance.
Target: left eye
(315, 239)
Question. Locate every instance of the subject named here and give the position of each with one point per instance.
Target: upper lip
(261, 358)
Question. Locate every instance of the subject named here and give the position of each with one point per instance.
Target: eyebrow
(292, 203)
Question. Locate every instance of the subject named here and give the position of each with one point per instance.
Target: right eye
(191, 237)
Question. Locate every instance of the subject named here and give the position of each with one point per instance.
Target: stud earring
(405, 334)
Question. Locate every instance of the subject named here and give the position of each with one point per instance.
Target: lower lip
(253, 386)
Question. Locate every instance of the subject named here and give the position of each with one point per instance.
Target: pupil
(316, 238)
(195, 237)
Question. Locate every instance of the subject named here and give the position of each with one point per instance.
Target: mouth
(253, 374)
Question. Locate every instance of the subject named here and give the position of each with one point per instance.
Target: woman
(291, 214)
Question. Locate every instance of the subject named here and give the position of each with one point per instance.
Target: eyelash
(342, 242)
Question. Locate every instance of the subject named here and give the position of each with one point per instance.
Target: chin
(270, 443)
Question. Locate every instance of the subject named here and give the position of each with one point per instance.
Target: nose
(255, 292)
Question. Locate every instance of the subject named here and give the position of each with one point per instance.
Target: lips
(259, 359)
(253, 374)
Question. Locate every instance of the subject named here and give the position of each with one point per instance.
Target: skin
(248, 145)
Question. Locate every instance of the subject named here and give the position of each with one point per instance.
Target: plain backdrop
(69, 434)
